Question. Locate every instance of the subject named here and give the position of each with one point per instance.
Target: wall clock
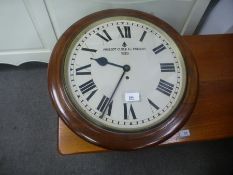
(122, 79)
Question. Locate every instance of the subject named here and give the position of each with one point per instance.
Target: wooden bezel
(112, 139)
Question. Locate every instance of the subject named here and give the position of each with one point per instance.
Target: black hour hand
(102, 61)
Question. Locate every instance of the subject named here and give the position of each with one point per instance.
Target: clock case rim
(94, 133)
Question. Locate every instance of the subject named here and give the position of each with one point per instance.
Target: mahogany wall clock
(122, 79)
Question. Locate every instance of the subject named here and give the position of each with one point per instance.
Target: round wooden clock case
(86, 49)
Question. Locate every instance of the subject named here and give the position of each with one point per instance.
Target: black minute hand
(102, 61)
(126, 68)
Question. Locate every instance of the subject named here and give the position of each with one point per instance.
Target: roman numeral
(86, 87)
(104, 102)
(89, 50)
(167, 67)
(91, 95)
(127, 113)
(106, 37)
(165, 87)
(126, 34)
(158, 49)
(110, 108)
(152, 104)
(143, 36)
(81, 68)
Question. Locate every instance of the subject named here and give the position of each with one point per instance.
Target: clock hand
(126, 68)
(102, 61)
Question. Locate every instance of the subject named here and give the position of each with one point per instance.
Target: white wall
(220, 20)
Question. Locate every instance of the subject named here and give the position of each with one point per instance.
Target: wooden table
(212, 117)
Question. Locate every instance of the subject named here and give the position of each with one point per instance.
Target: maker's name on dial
(120, 49)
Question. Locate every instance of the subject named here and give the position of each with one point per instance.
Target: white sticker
(184, 133)
(132, 96)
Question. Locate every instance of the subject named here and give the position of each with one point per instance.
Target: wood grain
(212, 117)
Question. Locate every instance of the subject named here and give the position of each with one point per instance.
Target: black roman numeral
(165, 87)
(91, 95)
(81, 68)
(152, 104)
(127, 113)
(143, 36)
(86, 87)
(104, 102)
(158, 49)
(127, 32)
(106, 37)
(89, 50)
(167, 67)
(110, 108)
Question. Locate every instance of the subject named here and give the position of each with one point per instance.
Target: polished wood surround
(98, 135)
(212, 117)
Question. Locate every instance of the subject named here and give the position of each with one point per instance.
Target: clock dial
(124, 74)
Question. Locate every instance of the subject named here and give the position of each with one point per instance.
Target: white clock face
(125, 74)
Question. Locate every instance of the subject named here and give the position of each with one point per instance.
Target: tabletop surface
(212, 117)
